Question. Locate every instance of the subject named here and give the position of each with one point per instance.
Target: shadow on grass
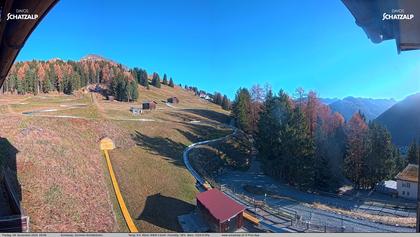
(172, 150)
(210, 114)
(163, 146)
(163, 211)
(201, 132)
(180, 115)
(10, 199)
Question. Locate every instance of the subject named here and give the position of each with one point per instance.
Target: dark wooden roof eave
(14, 33)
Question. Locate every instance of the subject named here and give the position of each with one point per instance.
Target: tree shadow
(198, 132)
(190, 136)
(10, 189)
(182, 116)
(210, 114)
(171, 150)
(163, 211)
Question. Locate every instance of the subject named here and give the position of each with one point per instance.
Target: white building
(407, 182)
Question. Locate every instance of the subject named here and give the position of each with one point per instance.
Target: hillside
(51, 142)
(371, 108)
(97, 58)
(403, 120)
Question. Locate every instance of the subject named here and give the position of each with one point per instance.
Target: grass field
(64, 184)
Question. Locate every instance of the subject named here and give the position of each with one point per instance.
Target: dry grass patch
(389, 220)
(60, 171)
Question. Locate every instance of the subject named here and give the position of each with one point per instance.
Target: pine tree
(300, 149)
(19, 87)
(323, 179)
(400, 162)
(29, 82)
(380, 161)
(13, 82)
(46, 86)
(144, 78)
(165, 79)
(413, 153)
(241, 109)
(284, 144)
(217, 98)
(135, 92)
(171, 83)
(156, 80)
(267, 142)
(225, 103)
(67, 85)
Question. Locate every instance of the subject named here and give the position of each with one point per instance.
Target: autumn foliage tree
(257, 98)
(66, 76)
(356, 152)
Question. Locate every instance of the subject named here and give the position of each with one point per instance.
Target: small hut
(136, 110)
(173, 100)
(221, 213)
(149, 105)
(110, 97)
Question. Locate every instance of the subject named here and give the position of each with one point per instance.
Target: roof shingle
(219, 205)
(409, 173)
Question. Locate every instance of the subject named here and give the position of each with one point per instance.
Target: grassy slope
(60, 172)
(64, 181)
(156, 186)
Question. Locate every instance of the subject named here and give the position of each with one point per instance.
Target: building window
(403, 185)
(408, 185)
(408, 193)
(403, 193)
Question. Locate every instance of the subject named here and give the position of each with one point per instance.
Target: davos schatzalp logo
(21, 14)
(397, 14)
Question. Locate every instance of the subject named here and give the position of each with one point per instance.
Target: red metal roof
(219, 205)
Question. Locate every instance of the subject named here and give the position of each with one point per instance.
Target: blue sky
(221, 45)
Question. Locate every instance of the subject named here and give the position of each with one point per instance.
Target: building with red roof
(221, 213)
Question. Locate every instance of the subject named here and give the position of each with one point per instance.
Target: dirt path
(11, 110)
(101, 110)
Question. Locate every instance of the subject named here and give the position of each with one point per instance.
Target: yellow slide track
(251, 218)
(131, 226)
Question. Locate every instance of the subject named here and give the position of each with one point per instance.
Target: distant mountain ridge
(94, 57)
(403, 120)
(348, 106)
(98, 58)
(328, 101)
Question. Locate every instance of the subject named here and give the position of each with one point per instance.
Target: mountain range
(348, 106)
(403, 120)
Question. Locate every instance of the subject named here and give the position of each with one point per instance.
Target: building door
(232, 223)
